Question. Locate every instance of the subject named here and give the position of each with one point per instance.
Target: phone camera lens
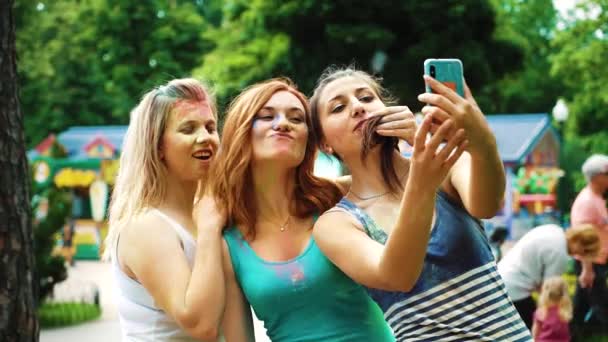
(432, 71)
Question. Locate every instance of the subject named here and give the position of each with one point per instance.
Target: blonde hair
(232, 178)
(555, 292)
(140, 182)
(585, 236)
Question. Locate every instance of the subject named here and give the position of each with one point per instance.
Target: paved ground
(86, 275)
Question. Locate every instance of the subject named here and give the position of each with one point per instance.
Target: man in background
(590, 207)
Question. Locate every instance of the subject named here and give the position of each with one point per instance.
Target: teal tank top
(306, 298)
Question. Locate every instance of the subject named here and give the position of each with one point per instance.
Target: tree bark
(18, 321)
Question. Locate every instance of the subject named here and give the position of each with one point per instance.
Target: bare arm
(479, 180)
(377, 266)
(536, 329)
(478, 177)
(194, 298)
(237, 324)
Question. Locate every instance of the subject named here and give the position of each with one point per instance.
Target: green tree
(51, 268)
(579, 61)
(530, 25)
(18, 321)
(88, 62)
(263, 38)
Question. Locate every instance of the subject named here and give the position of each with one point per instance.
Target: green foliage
(54, 315)
(264, 38)
(531, 26)
(46, 223)
(51, 269)
(580, 61)
(88, 62)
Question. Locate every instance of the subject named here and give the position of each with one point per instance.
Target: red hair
(232, 181)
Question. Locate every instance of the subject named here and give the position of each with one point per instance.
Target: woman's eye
(297, 119)
(211, 129)
(266, 117)
(366, 98)
(337, 109)
(187, 129)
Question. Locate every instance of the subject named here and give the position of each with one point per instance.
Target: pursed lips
(282, 135)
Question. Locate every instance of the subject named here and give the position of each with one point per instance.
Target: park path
(88, 274)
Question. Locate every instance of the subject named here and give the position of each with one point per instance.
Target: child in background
(554, 312)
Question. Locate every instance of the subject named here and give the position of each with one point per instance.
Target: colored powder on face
(186, 107)
(275, 121)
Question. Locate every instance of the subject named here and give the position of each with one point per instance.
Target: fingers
(441, 89)
(441, 135)
(398, 121)
(453, 158)
(390, 110)
(404, 134)
(437, 113)
(458, 138)
(439, 101)
(421, 133)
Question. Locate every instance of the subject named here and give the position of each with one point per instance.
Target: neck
(179, 196)
(273, 191)
(596, 188)
(367, 179)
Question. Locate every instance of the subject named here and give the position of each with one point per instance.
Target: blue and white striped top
(459, 296)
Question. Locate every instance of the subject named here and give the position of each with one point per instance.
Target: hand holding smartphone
(447, 71)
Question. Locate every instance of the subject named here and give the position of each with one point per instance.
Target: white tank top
(140, 318)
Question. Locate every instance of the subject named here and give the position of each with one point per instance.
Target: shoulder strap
(366, 221)
(179, 229)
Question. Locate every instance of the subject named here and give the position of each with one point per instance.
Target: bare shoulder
(148, 227)
(335, 220)
(147, 236)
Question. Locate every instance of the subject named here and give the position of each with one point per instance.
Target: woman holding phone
(378, 233)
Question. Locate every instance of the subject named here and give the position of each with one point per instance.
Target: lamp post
(560, 114)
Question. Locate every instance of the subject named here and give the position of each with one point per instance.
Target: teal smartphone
(447, 71)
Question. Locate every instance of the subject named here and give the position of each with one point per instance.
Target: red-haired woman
(264, 179)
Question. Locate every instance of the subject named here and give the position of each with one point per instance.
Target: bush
(64, 314)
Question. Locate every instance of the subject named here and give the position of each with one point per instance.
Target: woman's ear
(327, 149)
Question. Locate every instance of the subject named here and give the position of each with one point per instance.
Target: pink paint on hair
(184, 107)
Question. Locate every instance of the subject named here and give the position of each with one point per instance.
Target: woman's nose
(357, 108)
(280, 123)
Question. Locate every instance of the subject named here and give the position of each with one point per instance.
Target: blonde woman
(166, 291)
(554, 312)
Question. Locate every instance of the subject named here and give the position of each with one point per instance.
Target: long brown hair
(232, 176)
(370, 137)
(388, 145)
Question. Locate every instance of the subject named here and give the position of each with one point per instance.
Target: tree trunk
(18, 287)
